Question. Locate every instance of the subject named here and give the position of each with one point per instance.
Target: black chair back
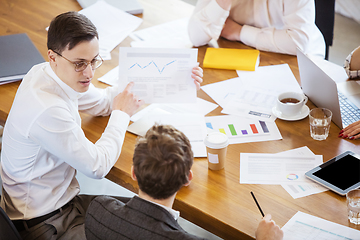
(324, 20)
(7, 228)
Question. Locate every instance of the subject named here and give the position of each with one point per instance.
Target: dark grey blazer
(109, 218)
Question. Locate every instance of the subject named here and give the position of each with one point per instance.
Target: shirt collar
(174, 213)
(72, 94)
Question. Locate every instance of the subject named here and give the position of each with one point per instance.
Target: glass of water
(353, 206)
(320, 119)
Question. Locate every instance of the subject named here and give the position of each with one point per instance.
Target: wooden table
(215, 200)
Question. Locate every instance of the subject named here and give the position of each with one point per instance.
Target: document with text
(263, 168)
(160, 75)
(303, 226)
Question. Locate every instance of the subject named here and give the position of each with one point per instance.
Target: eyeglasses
(82, 65)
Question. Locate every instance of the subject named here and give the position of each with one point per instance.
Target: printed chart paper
(160, 75)
(306, 188)
(240, 129)
(262, 168)
(303, 226)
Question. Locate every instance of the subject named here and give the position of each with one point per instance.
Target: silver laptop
(129, 6)
(326, 86)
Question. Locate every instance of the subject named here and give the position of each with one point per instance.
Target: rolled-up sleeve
(298, 18)
(206, 22)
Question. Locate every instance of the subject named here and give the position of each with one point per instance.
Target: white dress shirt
(44, 145)
(268, 25)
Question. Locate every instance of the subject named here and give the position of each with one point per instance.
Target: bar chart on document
(235, 127)
(159, 75)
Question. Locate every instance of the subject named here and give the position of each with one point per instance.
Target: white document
(160, 75)
(297, 190)
(241, 130)
(201, 106)
(111, 77)
(172, 34)
(253, 94)
(263, 168)
(192, 125)
(303, 226)
(303, 189)
(113, 24)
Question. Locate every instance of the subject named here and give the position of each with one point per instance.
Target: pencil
(252, 194)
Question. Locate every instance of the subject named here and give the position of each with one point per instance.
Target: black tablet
(340, 174)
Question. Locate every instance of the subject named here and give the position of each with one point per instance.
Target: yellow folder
(233, 59)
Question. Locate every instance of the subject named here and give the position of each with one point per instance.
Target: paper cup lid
(216, 140)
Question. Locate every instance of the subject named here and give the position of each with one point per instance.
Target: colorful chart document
(240, 129)
(303, 226)
(160, 75)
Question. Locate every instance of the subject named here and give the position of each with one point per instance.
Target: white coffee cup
(291, 103)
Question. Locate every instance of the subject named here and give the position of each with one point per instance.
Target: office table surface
(215, 200)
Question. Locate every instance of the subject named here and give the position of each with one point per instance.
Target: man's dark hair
(162, 161)
(69, 29)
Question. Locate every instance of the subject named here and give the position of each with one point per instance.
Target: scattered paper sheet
(303, 226)
(263, 168)
(241, 130)
(113, 24)
(172, 34)
(253, 94)
(160, 75)
(192, 125)
(200, 107)
(297, 190)
(111, 77)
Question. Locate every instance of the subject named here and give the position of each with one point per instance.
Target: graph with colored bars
(243, 129)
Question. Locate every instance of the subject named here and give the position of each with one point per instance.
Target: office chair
(324, 20)
(7, 228)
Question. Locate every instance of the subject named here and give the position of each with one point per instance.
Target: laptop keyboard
(349, 112)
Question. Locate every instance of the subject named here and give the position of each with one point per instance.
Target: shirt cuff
(214, 11)
(249, 34)
(119, 118)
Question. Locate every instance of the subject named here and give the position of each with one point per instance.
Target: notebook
(17, 56)
(129, 6)
(326, 86)
(232, 59)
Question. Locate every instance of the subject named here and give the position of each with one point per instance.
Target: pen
(252, 194)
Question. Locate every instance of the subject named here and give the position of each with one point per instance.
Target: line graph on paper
(152, 63)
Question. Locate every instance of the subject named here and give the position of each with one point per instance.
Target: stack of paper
(232, 59)
(253, 94)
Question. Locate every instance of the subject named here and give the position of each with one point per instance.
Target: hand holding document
(160, 75)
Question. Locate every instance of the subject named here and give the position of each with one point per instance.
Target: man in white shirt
(269, 25)
(43, 143)
(162, 164)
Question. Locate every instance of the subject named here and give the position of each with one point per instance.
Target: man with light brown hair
(161, 165)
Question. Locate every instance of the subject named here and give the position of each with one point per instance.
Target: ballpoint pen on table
(252, 194)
